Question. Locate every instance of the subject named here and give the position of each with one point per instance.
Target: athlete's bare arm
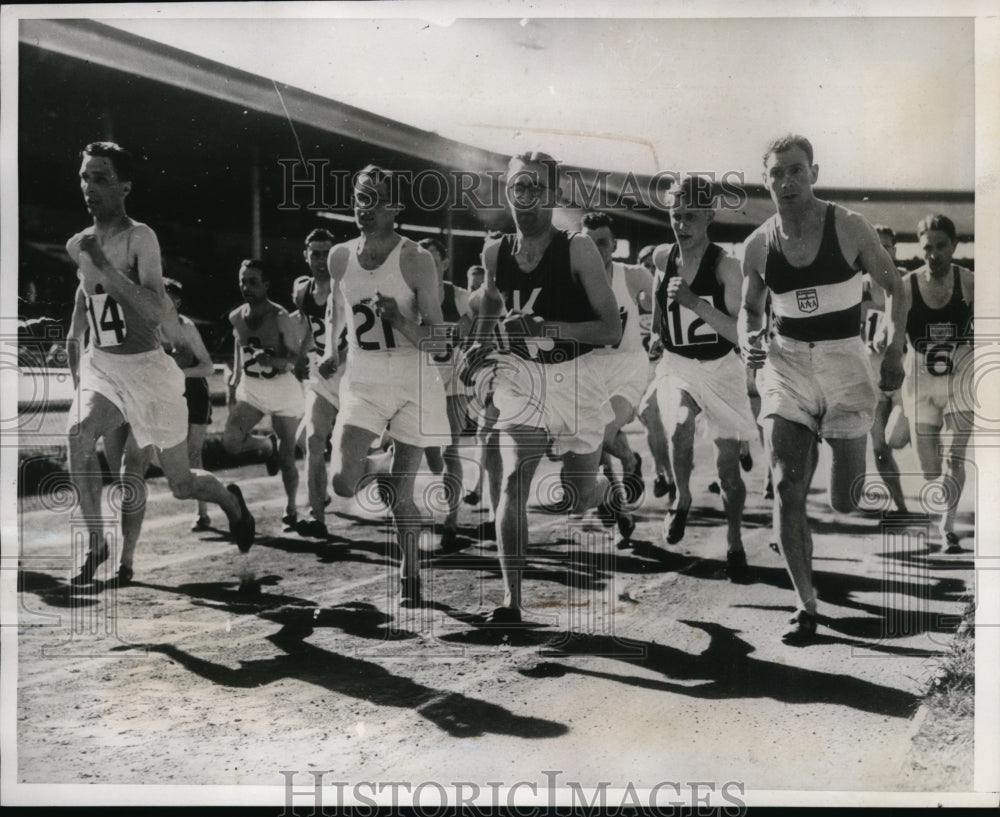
(236, 319)
(302, 327)
(640, 284)
(968, 281)
(420, 275)
(876, 261)
(487, 302)
(77, 328)
(729, 275)
(588, 268)
(283, 358)
(336, 316)
(750, 323)
(148, 298)
(203, 360)
(655, 341)
(465, 314)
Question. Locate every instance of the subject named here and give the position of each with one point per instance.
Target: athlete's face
(938, 249)
(789, 177)
(475, 280)
(888, 244)
(690, 224)
(103, 191)
(531, 194)
(605, 242)
(253, 287)
(374, 211)
(316, 253)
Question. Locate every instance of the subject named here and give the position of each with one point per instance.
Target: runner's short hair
(173, 287)
(595, 220)
(787, 142)
(936, 221)
(257, 264)
(437, 244)
(885, 229)
(698, 192)
(121, 160)
(319, 234)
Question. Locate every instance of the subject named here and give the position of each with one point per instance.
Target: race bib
(372, 332)
(686, 328)
(874, 320)
(106, 320)
(252, 366)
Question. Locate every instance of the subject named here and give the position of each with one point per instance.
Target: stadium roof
(103, 45)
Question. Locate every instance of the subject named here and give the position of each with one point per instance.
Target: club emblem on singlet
(808, 300)
(940, 331)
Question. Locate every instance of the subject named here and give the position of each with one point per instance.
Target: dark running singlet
(449, 309)
(821, 301)
(550, 291)
(315, 314)
(935, 333)
(680, 329)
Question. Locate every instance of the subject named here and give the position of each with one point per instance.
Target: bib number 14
(107, 323)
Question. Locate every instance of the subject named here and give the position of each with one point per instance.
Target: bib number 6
(938, 359)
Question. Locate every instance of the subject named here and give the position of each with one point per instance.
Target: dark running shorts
(199, 401)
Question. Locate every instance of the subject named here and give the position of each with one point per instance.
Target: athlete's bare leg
(792, 449)
(885, 462)
(186, 483)
(135, 461)
(734, 492)
(656, 436)
(98, 417)
(286, 429)
(320, 417)
(196, 444)
(237, 439)
(959, 427)
(409, 521)
(350, 463)
(847, 473)
(682, 448)
(520, 449)
(453, 462)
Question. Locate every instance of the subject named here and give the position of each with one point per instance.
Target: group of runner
(385, 362)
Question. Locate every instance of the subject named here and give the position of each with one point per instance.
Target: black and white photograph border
(293, 677)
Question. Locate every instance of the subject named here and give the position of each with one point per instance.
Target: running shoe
(201, 524)
(802, 631)
(94, 559)
(312, 529)
(633, 484)
(503, 616)
(244, 529)
(951, 540)
(674, 524)
(737, 568)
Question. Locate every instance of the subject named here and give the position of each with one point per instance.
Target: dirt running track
(639, 666)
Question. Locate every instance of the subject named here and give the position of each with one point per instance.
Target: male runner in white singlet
(124, 375)
(389, 290)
